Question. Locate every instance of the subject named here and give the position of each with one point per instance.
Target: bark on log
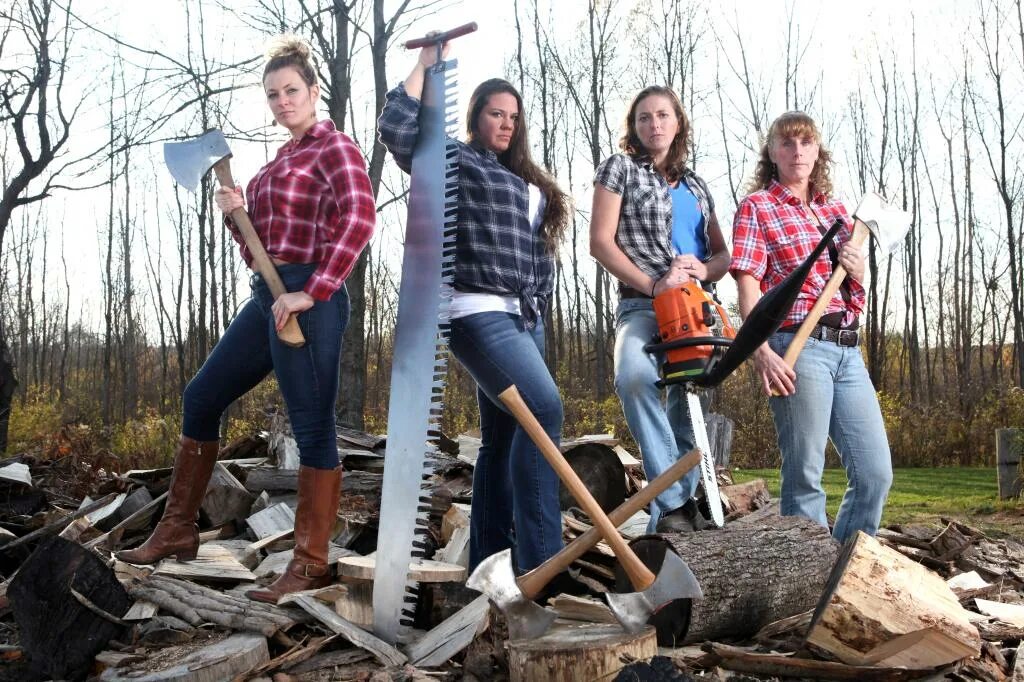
(751, 575)
(882, 608)
(601, 471)
(743, 498)
(577, 651)
(67, 605)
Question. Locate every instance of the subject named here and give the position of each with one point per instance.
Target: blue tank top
(687, 223)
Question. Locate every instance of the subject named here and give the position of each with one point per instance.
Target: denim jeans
(307, 376)
(661, 431)
(513, 485)
(834, 399)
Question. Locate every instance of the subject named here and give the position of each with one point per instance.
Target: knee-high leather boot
(319, 495)
(177, 533)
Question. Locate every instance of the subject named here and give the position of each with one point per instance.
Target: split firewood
(16, 472)
(139, 518)
(59, 525)
(456, 517)
(196, 605)
(883, 609)
(589, 610)
(384, 652)
(751, 574)
(272, 520)
(744, 498)
(451, 636)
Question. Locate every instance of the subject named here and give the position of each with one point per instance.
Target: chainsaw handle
(443, 37)
(687, 343)
(290, 334)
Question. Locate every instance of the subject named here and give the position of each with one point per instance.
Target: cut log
(424, 571)
(744, 498)
(751, 575)
(235, 655)
(601, 471)
(355, 603)
(67, 605)
(880, 608)
(588, 610)
(578, 651)
(456, 517)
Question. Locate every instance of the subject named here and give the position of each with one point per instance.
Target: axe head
(495, 578)
(888, 225)
(190, 160)
(675, 580)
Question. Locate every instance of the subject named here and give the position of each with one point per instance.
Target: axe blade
(887, 224)
(190, 160)
(495, 578)
(675, 581)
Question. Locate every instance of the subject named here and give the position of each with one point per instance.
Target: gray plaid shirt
(645, 218)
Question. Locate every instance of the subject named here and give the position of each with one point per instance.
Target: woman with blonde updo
(314, 211)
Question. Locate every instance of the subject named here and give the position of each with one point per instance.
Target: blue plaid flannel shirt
(496, 249)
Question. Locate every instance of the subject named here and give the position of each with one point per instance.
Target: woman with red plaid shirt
(314, 211)
(828, 393)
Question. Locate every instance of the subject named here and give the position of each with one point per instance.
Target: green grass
(918, 495)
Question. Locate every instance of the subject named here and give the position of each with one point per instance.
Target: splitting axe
(674, 580)
(888, 225)
(188, 162)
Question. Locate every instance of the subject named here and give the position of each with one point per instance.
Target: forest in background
(931, 122)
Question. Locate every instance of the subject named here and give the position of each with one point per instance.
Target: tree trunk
(751, 574)
(8, 385)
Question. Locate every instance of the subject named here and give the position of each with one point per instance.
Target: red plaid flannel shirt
(313, 204)
(773, 232)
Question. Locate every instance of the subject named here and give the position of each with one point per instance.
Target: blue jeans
(307, 376)
(834, 399)
(513, 485)
(661, 431)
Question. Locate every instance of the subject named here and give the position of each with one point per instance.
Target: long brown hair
(793, 124)
(517, 159)
(290, 50)
(678, 151)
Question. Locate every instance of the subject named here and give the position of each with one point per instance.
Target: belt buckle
(847, 337)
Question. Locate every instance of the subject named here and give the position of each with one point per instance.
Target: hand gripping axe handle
(638, 573)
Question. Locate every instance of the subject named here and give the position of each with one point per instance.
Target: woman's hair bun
(288, 45)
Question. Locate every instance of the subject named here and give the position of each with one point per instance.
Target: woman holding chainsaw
(827, 393)
(313, 209)
(653, 227)
(511, 216)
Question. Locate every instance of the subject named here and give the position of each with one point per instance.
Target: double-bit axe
(674, 580)
(514, 596)
(188, 162)
(888, 225)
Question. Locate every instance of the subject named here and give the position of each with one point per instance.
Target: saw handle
(638, 573)
(290, 334)
(860, 233)
(533, 582)
(436, 38)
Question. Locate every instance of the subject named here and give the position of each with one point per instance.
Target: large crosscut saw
(421, 346)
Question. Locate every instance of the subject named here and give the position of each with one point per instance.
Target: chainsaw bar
(708, 476)
(420, 357)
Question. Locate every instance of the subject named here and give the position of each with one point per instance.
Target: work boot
(319, 495)
(685, 519)
(177, 533)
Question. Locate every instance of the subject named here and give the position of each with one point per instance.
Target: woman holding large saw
(828, 393)
(313, 210)
(653, 227)
(510, 217)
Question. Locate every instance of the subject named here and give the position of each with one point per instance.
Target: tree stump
(881, 608)
(577, 651)
(751, 575)
(1009, 453)
(66, 603)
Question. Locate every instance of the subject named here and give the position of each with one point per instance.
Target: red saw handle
(433, 39)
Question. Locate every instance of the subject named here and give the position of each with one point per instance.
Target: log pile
(776, 590)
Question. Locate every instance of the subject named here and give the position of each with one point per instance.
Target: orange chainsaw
(693, 332)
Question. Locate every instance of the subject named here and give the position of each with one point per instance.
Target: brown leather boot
(177, 533)
(319, 495)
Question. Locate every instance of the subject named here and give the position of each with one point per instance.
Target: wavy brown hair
(290, 50)
(678, 152)
(793, 124)
(518, 160)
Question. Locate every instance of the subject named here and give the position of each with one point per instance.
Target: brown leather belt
(841, 337)
(630, 292)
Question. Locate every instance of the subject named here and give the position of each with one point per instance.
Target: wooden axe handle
(533, 582)
(638, 573)
(860, 233)
(291, 334)
(441, 37)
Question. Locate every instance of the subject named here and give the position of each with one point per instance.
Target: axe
(514, 596)
(188, 162)
(888, 225)
(674, 580)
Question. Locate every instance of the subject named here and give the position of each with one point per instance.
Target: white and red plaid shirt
(313, 204)
(773, 232)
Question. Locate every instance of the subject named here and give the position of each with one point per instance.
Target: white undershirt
(466, 303)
